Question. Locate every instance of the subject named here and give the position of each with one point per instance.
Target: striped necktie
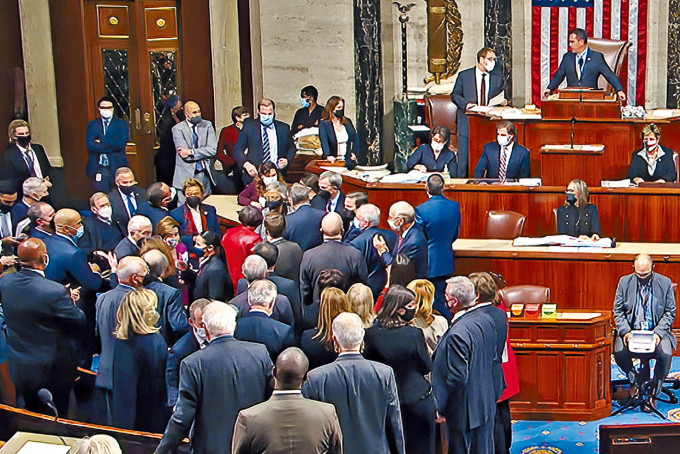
(504, 164)
(266, 148)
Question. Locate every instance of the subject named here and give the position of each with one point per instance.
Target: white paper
(335, 169)
(411, 177)
(480, 109)
(33, 447)
(615, 184)
(562, 240)
(418, 128)
(498, 99)
(530, 182)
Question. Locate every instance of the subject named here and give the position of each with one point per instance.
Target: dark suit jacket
(155, 214)
(14, 167)
(18, 213)
(446, 161)
(329, 143)
(213, 281)
(595, 65)
(173, 319)
(214, 385)
(304, 227)
(377, 270)
(107, 309)
(317, 353)
(364, 394)
(126, 248)
(286, 287)
(500, 321)
(519, 165)
(40, 328)
(282, 309)
(571, 220)
(663, 308)
(413, 246)
(440, 219)
(665, 167)
(68, 264)
(290, 256)
(288, 423)
(182, 348)
(462, 376)
(99, 235)
(210, 222)
(112, 144)
(139, 400)
(256, 326)
(249, 145)
(118, 205)
(465, 92)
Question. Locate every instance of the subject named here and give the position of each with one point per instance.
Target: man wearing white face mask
(504, 159)
(102, 233)
(478, 86)
(652, 162)
(106, 140)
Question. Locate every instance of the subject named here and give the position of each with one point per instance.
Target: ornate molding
(444, 39)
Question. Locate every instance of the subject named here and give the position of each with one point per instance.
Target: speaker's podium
(581, 104)
(33, 443)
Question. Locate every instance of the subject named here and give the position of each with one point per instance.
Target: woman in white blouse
(339, 139)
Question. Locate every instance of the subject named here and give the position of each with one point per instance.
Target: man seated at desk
(652, 162)
(504, 159)
(583, 66)
(645, 300)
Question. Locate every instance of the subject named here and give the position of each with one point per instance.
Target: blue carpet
(559, 437)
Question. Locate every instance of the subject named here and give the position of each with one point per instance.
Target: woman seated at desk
(339, 138)
(652, 162)
(436, 156)
(578, 217)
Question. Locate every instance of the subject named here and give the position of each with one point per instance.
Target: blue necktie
(106, 125)
(266, 148)
(581, 61)
(200, 167)
(130, 205)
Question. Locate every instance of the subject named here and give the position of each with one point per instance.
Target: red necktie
(482, 95)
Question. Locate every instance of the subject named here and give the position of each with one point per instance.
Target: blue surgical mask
(356, 223)
(200, 332)
(266, 119)
(80, 232)
(304, 102)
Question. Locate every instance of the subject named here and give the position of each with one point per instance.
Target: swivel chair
(504, 225)
(440, 111)
(614, 52)
(525, 294)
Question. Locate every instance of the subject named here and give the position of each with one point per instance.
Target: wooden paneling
(113, 21)
(197, 56)
(161, 23)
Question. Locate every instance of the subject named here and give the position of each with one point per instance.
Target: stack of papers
(615, 184)
(562, 240)
(412, 177)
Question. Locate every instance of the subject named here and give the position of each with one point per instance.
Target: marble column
(498, 36)
(521, 53)
(41, 88)
(656, 80)
(673, 85)
(368, 77)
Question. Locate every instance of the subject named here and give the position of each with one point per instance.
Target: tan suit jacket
(287, 423)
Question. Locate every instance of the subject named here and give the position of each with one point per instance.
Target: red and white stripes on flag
(611, 19)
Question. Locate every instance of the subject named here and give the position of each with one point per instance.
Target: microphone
(45, 397)
(573, 125)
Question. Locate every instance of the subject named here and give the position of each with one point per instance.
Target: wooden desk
(578, 280)
(564, 366)
(620, 137)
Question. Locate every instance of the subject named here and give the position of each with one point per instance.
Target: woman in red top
(238, 242)
(253, 194)
(229, 137)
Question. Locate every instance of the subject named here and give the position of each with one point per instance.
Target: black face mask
(5, 208)
(408, 315)
(149, 278)
(571, 199)
(325, 194)
(644, 280)
(193, 202)
(273, 205)
(23, 141)
(180, 115)
(127, 190)
(140, 242)
(339, 113)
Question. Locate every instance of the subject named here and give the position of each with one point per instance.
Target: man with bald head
(288, 422)
(332, 253)
(196, 146)
(40, 329)
(645, 300)
(107, 137)
(131, 273)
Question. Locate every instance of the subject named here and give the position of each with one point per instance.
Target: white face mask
(437, 146)
(268, 180)
(490, 65)
(200, 332)
(393, 225)
(106, 113)
(503, 140)
(356, 223)
(106, 212)
(651, 145)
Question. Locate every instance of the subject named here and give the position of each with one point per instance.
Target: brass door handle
(138, 119)
(147, 122)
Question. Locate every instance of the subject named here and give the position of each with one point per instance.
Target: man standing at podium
(583, 66)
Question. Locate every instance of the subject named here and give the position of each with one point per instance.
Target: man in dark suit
(215, 384)
(462, 372)
(645, 300)
(583, 66)
(330, 185)
(40, 329)
(107, 137)
(194, 216)
(368, 216)
(23, 158)
(288, 422)
(331, 254)
(478, 86)
(411, 242)
(40, 225)
(262, 140)
(191, 342)
(34, 189)
(139, 228)
(440, 219)
(158, 197)
(504, 159)
(102, 233)
(290, 254)
(303, 226)
(126, 197)
(363, 392)
(258, 326)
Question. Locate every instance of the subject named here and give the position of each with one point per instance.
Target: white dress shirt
(196, 216)
(124, 198)
(478, 76)
(651, 163)
(507, 151)
(5, 224)
(25, 152)
(342, 137)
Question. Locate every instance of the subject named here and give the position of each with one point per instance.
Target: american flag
(612, 19)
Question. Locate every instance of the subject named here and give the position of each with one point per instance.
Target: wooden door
(134, 57)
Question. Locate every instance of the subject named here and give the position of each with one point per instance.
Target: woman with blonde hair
(433, 326)
(98, 444)
(317, 343)
(360, 299)
(578, 217)
(139, 399)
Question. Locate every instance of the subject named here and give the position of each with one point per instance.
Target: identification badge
(98, 177)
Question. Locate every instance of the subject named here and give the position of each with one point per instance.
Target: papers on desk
(616, 184)
(334, 169)
(663, 113)
(412, 177)
(418, 128)
(480, 109)
(34, 447)
(563, 240)
(567, 147)
(369, 173)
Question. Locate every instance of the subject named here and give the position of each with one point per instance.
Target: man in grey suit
(363, 392)
(645, 300)
(288, 422)
(196, 145)
(215, 384)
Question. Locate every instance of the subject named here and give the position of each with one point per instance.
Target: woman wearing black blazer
(339, 138)
(317, 343)
(578, 217)
(652, 162)
(435, 156)
(395, 342)
(212, 281)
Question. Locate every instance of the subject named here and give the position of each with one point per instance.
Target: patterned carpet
(559, 437)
